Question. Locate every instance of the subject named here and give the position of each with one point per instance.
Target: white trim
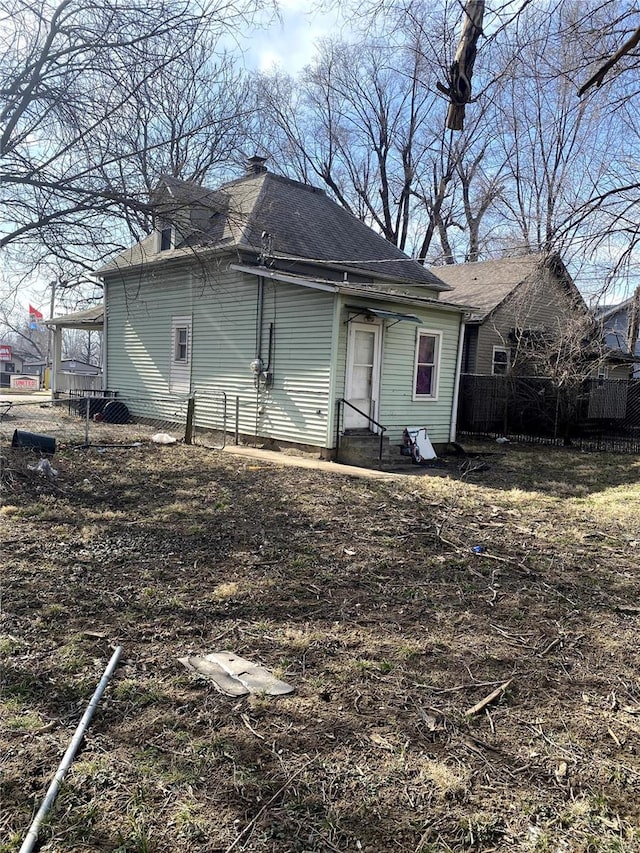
(376, 369)
(286, 279)
(507, 351)
(180, 369)
(104, 353)
(427, 398)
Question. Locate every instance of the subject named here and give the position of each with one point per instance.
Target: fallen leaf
(561, 770)
(380, 741)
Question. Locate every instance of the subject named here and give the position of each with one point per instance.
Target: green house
(265, 289)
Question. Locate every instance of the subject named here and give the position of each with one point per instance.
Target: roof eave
(366, 271)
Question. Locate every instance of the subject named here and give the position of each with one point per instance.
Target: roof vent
(255, 165)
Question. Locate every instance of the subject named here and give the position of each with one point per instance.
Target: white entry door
(362, 383)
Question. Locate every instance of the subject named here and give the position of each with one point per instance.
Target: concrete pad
(274, 457)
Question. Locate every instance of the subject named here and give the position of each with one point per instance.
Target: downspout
(456, 383)
(259, 317)
(333, 418)
(105, 338)
(258, 350)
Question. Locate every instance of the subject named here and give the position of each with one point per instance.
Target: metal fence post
(87, 420)
(237, 424)
(188, 430)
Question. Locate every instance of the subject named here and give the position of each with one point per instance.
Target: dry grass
(366, 596)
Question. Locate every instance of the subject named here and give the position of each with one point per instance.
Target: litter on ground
(236, 676)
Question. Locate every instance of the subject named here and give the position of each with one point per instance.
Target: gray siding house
(513, 297)
(267, 290)
(621, 330)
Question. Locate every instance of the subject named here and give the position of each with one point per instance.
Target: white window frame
(507, 352)
(180, 369)
(186, 328)
(435, 386)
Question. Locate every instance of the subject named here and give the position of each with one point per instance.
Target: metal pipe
(259, 316)
(32, 834)
(237, 424)
(86, 425)
(453, 426)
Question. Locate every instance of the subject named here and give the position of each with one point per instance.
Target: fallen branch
(482, 704)
(255, 819)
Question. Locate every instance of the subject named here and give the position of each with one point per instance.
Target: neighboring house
(10, 363)
(72, 374)
(519, 301)
(620, 327)
(267, 290)
(72, 365)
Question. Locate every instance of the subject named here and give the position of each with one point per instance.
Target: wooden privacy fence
(600, 414)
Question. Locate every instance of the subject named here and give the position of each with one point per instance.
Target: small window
(167, 237)
(181, 352)
(9, 367)
(425, 383)
(501, 361)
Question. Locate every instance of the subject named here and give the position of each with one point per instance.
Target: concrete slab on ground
(275, 457)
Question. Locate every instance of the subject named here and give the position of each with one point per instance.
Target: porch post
(56, 360)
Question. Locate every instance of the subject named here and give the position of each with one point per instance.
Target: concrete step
(364, 450)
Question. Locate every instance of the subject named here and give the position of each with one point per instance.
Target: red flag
(35, 314)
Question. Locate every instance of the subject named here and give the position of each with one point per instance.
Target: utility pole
(633, 327)
(49, 364)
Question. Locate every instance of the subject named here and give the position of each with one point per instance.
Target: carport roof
(90, 319)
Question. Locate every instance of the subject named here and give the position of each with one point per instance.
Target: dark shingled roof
(486, 284)
(301, 220)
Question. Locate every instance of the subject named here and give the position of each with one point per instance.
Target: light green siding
(299, 323)
(307, 329)
(139, 317)
(397, 409)
(223, 306)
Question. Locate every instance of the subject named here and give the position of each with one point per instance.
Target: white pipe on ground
(32, 834)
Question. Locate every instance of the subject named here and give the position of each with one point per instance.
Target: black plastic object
(44, 443)
(96, 405)
(115, 412)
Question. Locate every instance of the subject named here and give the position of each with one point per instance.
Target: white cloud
(290, 43)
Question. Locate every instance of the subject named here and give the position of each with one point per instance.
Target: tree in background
(535, 169)
(366, 120)
(96, 99)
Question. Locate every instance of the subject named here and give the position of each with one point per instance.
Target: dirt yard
(368, 597)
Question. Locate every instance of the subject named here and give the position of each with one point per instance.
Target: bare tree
(367, 121)
(80, 78)
(358, 121)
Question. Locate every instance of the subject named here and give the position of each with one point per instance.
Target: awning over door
(396, 316)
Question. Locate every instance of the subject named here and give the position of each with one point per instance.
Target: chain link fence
(595, 414)
(77, 420)
(83, 419)
(214, 419)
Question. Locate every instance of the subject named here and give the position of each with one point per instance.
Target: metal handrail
(339, 403)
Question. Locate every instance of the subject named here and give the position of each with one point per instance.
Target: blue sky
(289, 44)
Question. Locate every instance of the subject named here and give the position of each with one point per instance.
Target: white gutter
(456, 383)
(273, 275)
